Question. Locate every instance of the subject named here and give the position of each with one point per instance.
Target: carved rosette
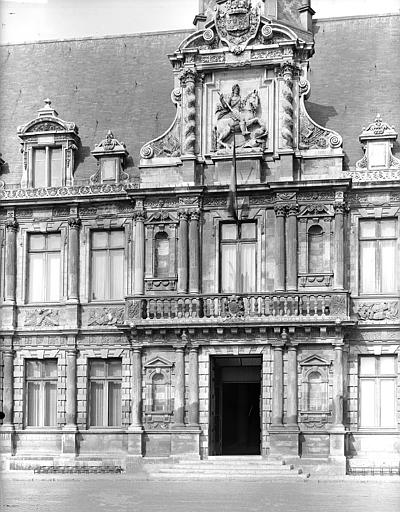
(286, 107)
(188, 82)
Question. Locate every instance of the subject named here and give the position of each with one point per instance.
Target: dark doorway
(235, 406)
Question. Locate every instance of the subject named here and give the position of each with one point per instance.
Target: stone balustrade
(256, 307)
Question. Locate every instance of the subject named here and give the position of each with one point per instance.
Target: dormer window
(111, 158)
(48, 150)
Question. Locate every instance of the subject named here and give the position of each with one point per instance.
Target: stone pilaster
(73, 259)
(7, 428)
(280, 211)
(193, 386)
(135, 431)
(139, 253)
(194, 253)
(291, 280)
(69, 441)
(183, 253)
(292, 398)
(339, 247)
(277, 386)
(336, 429)
(11, 260)
(179, 398)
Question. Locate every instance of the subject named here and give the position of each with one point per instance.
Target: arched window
(316, 392)
(315, 250)
(159, 396)
(161, 255)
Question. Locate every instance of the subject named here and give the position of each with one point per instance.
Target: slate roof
(124, 83)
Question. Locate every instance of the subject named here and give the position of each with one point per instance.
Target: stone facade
(241, 82)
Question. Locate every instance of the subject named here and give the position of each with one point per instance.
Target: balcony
(239, 308)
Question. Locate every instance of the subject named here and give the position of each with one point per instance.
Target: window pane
(159, 393)
(33, 369)
(117, 274)
(248, 268)
(248, 230)
(99, 239)
(114, 404)
(56, 167)
(315, 249)
(50, 404)
(33, 419)
(367, 366)
(36, 277)
(36, 242)
(100, 275)
(53, 241)
(97, 369)
(161, 256)
(109, 169)
(367, 403)
(117, 238)
(388, 270)
(388, 404)
(114, 368)
(39, 168)
(368, 228)
(228, 268)
(367, 267)
(387, 365)
(50, 368)
(388, 227)
(53, 277)
(96, 404)
(229, 231)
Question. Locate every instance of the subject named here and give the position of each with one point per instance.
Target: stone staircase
(227, 467)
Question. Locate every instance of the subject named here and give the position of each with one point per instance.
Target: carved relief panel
(158, 407)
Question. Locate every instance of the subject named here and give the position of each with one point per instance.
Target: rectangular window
(238, 257)
(107, 270)
(105, 377)
(47, 167)
(377, 379)
(44, 267)
(378, 256)
(41, 392)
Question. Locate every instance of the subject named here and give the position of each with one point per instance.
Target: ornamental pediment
(47, 121)
(314, 360)
(158, 362)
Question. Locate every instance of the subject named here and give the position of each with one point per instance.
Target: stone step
(222, 474)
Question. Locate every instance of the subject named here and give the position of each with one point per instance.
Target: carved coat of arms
(237, 22)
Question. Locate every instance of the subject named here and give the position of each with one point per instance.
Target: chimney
(271, 8)
(201, 18)
(306, 14)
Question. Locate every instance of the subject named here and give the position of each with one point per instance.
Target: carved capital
(292, 210)
(139, 215)
(287, 71)
(74, 222)
(280, 210)
(183, 215)
(12, 225)
(195, 215)
(339, 208)
(187, 75)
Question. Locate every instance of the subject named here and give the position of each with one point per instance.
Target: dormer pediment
(158, 362)
(314, 360)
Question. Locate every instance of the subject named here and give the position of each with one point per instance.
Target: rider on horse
(232, 107)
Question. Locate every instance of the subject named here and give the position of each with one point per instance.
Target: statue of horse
(245, 117)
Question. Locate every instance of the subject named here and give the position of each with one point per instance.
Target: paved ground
(121, 493)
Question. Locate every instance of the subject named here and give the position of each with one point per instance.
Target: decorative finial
(47, 102)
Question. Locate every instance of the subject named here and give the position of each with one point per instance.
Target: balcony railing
(249, 307)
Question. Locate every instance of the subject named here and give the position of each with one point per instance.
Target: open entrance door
(235, 388)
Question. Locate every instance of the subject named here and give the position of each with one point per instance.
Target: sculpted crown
(239, 6)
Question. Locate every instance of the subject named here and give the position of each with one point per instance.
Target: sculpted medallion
(237, 22)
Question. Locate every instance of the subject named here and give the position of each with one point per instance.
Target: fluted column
(179, 397)
(188, 82)
(194, 385)
(8, 387)
(292, 386)
(277, 386)
(292, 248)
(280, 211)
(183, 253)
(71, 388)
(136, 387)
(73, 258)
(337, 410)
(194, 252)
(339, 247)
(139, 253)
(11, 260)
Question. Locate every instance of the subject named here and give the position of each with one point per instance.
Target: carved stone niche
(314, 402)
(161, 251)
(111, 156)
(377, 140)
(158, 406)
(48, 148)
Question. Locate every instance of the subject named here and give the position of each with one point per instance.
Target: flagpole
(232, 194)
